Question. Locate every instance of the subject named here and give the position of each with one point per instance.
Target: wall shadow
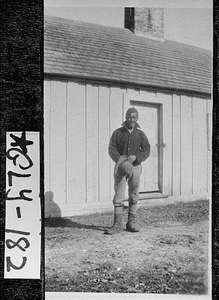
(64, 222)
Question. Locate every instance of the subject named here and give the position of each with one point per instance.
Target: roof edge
(125, 84)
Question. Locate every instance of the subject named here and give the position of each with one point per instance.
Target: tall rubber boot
(118, 218)
(132, 217)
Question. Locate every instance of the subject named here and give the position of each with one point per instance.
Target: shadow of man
(53, 216)
(52, 210)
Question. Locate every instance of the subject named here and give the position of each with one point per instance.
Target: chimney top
(148, 22)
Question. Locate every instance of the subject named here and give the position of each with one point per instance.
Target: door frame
(160, 144)
(130, 98)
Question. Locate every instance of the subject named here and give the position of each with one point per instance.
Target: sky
(189, 22)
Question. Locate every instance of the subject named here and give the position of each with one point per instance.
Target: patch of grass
(188, 213)
(159, 279)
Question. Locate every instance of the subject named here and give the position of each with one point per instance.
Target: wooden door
(150, 122)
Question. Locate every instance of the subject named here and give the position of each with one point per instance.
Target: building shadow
(64, 223)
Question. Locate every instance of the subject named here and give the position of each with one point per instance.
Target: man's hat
(124, 167)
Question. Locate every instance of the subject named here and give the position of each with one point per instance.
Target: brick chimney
(148, 22)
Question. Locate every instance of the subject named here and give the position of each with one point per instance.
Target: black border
(215, 159)
(21, 109)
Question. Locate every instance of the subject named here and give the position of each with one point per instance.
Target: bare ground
(168, 255)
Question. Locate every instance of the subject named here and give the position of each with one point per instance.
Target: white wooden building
(92, 75)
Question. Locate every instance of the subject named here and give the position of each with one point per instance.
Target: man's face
(131, 120)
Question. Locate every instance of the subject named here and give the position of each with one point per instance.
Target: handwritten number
(11, 265)
(11, 244)
(17, 231)
(22, 196)
(10, 174)
(21, 159)
(14, 158)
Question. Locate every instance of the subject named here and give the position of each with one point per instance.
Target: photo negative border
(215, 157)
(21, 109)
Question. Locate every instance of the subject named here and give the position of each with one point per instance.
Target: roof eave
(126, 84)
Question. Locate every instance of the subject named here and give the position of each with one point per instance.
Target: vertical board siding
(200, 154)
(151, 97)
(209, 123)
(116, 119)
(129, 95)
(176, 146)
(75, 143)
(92, 130)
(167, 140)
(209, 136)
(47, 149)
(104, 159)
(47, 123)
(79, 121)
(186, 145)
(58, 141)
(116, 111)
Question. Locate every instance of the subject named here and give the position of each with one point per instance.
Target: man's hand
(131, 158)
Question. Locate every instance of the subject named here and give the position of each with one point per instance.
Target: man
(128, 148)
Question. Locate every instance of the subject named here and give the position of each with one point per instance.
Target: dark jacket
(123, 142)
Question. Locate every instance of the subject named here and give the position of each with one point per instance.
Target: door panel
(149, 123)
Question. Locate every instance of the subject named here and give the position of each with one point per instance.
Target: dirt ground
(168, 255)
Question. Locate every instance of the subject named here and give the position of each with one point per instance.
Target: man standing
(128, 148)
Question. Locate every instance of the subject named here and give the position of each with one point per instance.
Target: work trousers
(133, 187)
